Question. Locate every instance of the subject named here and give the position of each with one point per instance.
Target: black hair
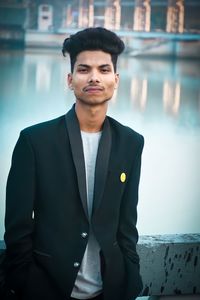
(94, 38)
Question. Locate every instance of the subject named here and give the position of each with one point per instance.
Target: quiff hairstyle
(94, 38)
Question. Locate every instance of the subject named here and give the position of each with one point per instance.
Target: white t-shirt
(88, 283)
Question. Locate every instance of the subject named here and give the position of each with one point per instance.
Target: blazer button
(76, 264)
(84, 235)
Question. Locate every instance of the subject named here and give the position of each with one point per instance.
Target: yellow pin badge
(123, 177)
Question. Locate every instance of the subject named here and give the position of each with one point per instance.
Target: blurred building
(13, 12)
(171, 16)
(142, 15)
(12, 20)
(138, 15)
(175, 16)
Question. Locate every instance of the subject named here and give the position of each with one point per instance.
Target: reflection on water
(159, 98)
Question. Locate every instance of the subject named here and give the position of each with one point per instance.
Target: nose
(94, 77)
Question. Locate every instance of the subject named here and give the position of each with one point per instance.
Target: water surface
(158, 98)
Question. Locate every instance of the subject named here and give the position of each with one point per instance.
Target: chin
(93, 102)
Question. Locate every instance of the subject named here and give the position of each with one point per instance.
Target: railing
(170, 264)
(186, 36)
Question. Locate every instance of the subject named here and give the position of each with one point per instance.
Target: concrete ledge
(170, 264)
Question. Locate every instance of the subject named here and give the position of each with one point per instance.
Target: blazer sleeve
(127, 231)
(20, 194)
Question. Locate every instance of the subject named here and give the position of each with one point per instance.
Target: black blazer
(46, 210)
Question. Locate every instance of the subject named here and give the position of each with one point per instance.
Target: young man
(72, 190)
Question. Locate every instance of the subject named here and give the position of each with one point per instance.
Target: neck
(90, 117)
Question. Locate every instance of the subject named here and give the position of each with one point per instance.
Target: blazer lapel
(102, 161)
(77, 153)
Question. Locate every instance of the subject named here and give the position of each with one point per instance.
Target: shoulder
(124, 132)
(44, 127)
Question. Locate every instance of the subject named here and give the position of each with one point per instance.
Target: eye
(82, 70)
(105, 70)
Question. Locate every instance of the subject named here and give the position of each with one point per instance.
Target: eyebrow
(88, 66)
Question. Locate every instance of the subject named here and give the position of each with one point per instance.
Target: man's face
(93, 79)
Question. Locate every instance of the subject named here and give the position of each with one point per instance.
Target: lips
(93, 89)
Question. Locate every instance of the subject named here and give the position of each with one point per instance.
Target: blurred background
(159, 92)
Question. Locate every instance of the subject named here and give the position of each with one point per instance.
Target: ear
(69, 80)
(116, 80)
